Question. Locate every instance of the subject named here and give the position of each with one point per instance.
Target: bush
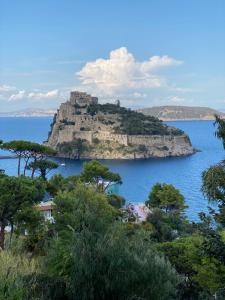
(142, 148)
(13, 269)
(97, 257)
(96, 141)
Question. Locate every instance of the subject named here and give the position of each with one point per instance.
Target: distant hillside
(169, 113)
(29, 113)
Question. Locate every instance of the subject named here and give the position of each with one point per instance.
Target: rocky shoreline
(84, 129)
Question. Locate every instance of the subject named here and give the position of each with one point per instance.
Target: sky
(143, 52)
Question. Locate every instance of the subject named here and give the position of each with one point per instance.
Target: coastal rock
(82, 128)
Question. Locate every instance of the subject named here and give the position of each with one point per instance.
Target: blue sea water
(138, 175)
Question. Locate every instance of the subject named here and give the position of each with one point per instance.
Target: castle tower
(82, 99)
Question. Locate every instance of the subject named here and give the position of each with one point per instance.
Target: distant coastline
(182, 113)
(30, 113)
(164, 113)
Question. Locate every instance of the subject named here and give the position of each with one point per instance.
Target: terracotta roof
(44, 206)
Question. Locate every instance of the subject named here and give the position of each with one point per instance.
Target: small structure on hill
(46, 208)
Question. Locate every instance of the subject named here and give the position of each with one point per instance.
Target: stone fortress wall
(68, 134)
(73, 122)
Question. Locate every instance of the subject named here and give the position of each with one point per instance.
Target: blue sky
(146, 52)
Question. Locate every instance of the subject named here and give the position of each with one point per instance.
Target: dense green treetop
(166, 197)
(98, 174)
(17, 193)
(96, 256)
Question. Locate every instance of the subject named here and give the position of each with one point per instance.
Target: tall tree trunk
(25, 166)
(19, 161)
(43, 174)
(33, 170)
(2, 237)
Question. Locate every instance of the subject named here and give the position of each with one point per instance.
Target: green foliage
(166, 197)
(41, 286)
(167, 206)
(74, 148)
(213, 179)
(133, 122)
(220, 132)
(99, 175)
(142, 148)
(116, 200)
(86, 204)
(38, 231)
(162, 228)
(58, 183)
(43, 167)
(17, 193)
(87, 226)
(13, 269)
(203, 272)
(26, 150)
(214, 183)
(96, 141)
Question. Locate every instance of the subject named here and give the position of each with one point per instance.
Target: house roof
(44, 206)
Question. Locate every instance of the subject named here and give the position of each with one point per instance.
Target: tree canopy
(43, 167)
(27, 150)
(166, 197)
(16, 193)
(99, 175)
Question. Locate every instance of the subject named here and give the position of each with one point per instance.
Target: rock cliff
(82, 128)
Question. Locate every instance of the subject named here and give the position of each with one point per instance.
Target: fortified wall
(73, 122)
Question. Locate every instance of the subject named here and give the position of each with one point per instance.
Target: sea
(138, 176)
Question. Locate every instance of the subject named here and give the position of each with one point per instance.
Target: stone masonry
(72, 122)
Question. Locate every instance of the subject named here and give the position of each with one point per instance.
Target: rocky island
(82, 128)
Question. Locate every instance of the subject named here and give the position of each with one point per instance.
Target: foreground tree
(98, 259)
(14, 268)
(16, 193)
(213, 178)
(199, 260)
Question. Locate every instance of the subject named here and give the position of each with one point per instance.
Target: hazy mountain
(29, 113)
(167, 113)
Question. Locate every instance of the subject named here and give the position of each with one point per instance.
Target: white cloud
(40, 95)
(18, 96)
(23, 95)
(6, 88)
(121, 71)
